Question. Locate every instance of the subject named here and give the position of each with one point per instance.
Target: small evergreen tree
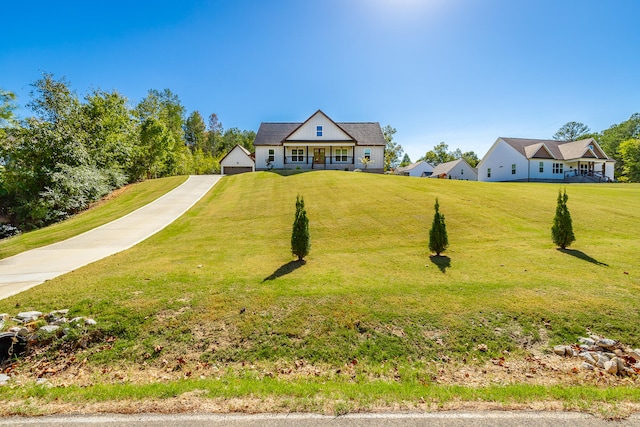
(300, 241)
(562, 229)
(438, 240)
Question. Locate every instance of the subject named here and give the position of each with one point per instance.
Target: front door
(318, 156)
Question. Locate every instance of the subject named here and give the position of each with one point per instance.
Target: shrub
(562, 229)
(300, 240)
(8, 230)
(438, 240)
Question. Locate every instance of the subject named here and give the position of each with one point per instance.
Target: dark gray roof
(364, 133)
(561, 150)
(274, 133)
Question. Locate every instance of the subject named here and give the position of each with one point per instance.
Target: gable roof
(445, 168)
(540, 151)
(362, 133)
(412, 166)
(319, 113)
(561, 150)
(247, 152)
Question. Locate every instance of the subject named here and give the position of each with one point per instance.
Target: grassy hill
(218, 287)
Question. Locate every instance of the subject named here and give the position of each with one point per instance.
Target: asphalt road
(437, 419)
(31, 268)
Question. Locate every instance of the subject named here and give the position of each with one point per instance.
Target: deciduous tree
(439, 154)
(7, 108)
(630, 155)
(571, 131)
(195, 135)
(393, 150)
(406, 160)
(611, 138)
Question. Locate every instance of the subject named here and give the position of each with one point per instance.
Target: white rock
(587, 357)
(586, 341)
(50, 328)
(586, 365)
(19, 330)
(563, 350)
(5, 317)
(28, 316)
(635, 354)
(90, 322)
(606, 343)
(4, 378)
(611, 367)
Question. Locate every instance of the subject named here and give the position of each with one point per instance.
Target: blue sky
(460, 71)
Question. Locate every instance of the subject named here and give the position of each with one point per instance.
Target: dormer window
(318, 130)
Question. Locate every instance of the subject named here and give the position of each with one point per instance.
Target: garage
(238, 160)
(233, 170)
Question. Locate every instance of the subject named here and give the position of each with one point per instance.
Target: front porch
(587, 170)
(328, 157)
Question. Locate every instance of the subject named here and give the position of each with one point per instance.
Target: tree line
(72, 151)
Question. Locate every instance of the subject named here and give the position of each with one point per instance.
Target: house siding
(237, 158)
(308, 132)
(571, 155)
(500, 159)
(418, 170)
(377, 157)
(262, 153)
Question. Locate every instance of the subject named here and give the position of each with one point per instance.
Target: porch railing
(310, 160)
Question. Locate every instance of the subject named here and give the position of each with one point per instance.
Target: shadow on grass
(581, 255)
(285, 269)
(442, 261)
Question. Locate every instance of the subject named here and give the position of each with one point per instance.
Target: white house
(421, 169)
(517, 159)
(320, 143)
(238, 160)
(457, 169)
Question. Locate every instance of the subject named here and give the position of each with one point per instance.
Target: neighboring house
(517, 159)
(238, 160)
(420, 168)
(320, 143)
(457, 169)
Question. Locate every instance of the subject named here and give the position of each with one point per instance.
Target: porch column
(306, 157)
(331, 154)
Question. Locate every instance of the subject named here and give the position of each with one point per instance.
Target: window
(513, 169)
(297, 155)
(557, 168)
(367, 153)
(318, 130)
(341, 154)
(541, 167)
(271, 156)
(488, 172)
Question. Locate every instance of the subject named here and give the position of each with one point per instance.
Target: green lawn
(129, 199)
(219, 288)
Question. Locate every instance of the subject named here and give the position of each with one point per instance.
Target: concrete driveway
(31, 268)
